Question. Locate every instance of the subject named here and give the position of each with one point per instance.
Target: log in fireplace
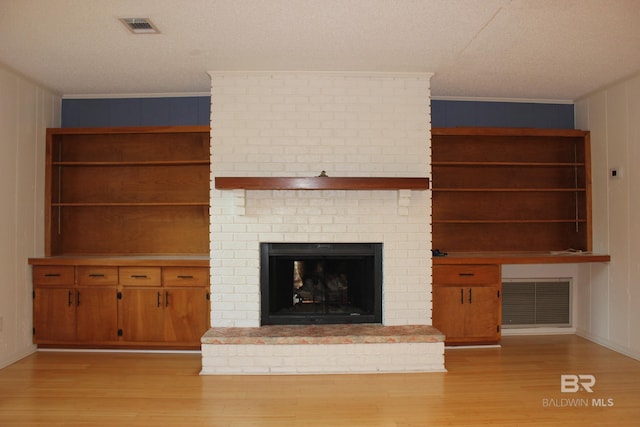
(309, 283)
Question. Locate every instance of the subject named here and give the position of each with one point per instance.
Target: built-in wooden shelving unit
(126, 260)
(511, 190)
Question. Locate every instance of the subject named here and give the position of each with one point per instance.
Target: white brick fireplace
(297, 124)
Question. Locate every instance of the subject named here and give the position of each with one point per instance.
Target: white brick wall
(322, 359)
(298, 124)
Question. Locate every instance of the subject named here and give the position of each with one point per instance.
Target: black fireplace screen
(303, 283)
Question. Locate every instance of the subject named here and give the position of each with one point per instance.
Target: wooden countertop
(147, 261)
(451, 259)
(560, 257)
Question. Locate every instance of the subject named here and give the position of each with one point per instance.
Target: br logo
(574, 383)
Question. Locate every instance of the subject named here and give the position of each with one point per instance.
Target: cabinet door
(97, 314)
(186, 316)
(449, 310)
(142, 314)
(482, 312)
(54, 314)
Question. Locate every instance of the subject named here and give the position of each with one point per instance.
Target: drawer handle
(96, 275)
(52, 275)
(139, 276)
(185, 277)
(466, 274)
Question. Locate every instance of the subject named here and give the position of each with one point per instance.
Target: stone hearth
(304, 349)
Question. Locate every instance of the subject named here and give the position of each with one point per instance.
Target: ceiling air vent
(140, 25)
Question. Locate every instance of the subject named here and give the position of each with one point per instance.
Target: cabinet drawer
(466, 274)
(53, 275)
(139, 276)
(97, 275)
(185, 276)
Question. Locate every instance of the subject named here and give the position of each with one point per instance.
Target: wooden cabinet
(54, 315)
(97, 297)
(68, 309)
(467, 303)
(171, 310)
(184, 317)
(185, 320)
(120, 306)
(142, 315)
(142, 304)
(169, 315)
(54, 306)
(512, 190)
(96, 314)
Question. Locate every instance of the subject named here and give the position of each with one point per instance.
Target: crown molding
(136, 95)
(388, 74)
(511, 100)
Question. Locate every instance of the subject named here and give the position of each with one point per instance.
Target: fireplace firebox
(320, 283)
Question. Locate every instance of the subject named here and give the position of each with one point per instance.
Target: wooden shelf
(506, 164)
(516, 189)
(136, 163)
(116, 204)
(320, 183)
(131, 130)
(508, 221)
(518, 132)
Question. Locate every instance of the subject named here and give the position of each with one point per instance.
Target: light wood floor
(499, 386)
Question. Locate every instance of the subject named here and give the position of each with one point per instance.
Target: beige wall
(609, 306)
(26, 110)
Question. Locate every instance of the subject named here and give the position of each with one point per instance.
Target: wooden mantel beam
(321, 183)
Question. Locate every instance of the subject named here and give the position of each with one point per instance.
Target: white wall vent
(140, 25)
(539, 302)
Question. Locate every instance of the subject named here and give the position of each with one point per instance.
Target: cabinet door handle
(461, 296)
(158, 300)
(166, 299)
(470, 294)
(69, 299)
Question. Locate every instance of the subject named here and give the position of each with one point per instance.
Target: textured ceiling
(526, 49)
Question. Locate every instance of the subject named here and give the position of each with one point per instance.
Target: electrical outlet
(615, 173)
